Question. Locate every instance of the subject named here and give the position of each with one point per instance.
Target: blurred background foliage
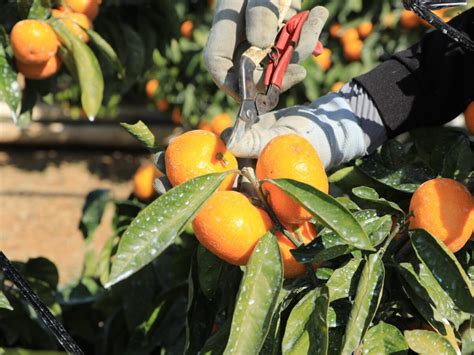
(160, 43)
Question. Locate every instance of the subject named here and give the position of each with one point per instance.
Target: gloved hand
(341, 126)
(239, 24)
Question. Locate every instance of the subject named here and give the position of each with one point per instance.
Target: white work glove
(239, 24)
(341, 126)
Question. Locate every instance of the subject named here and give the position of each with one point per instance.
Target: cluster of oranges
(35, 44)
(229, 224)
(351, 39)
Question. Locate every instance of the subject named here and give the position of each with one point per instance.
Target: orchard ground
(41, 197)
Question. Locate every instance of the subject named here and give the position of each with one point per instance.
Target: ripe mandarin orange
(293, 157)
(186, 29)
(353, 50)
(337, 86)
(197, 153)
(205, 126)
(33, 42)
(469, 117)
(324, 59)
(409, 20)
(176, 116)
(229, 226)
(335, 30)
(143, 181)
(388, 20)
(39, 71)
(74, 22)
(291, 267)
(220, 122)
(365, 29)
(162, 105)
(444, 208)
(90, 8)
(350, 35)
(151, 87)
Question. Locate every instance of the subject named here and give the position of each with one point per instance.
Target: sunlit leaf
(4, 304)
(257, 298)
(156, 226)
(428, 343)
(142, 133)
(10, 91)
(343, 281)
(382, 339)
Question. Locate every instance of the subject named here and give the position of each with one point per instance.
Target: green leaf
(257, 298)
(407, 178)
(350, 177)
(156, 226)
(343, 281)
(445, 268)
(327, 211)
(209, 271)
(425, 342)
(320, 336)
(34, 9)
(467, 338)
(382, 339)
(106, 50)
(142, 133)
(103, 267)
(10, 91)
(92, 211)
(4, 304)
(370, 195)
(368, 296)
(87, 66)
(20, 351)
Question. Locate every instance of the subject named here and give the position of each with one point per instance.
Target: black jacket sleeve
(428, 84)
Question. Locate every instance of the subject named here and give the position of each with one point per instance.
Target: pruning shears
(254, 103)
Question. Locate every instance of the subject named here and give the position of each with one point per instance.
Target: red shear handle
(285, 48)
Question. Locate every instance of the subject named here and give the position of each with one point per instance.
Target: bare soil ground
(41, 197)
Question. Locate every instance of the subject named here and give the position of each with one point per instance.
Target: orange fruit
(74, 23)
(151, 87)
(353, 50)
(90, 8)
(292, 157)
(143, 181)
(186, 29)
(33, 42)
(291, 267)
(349, 36)
(205, 126)
(324, 59)
(444, 208)
(337, 86)
(365, 29)
(229, 226)
(220, 122)
(469, 117)
(176, 116)
(409, 20)
(162, 105)
(39, 71)
(388, 20)
(335, 30)
(197, 153)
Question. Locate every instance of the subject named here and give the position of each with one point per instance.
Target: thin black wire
(63, 337)
(424, 12)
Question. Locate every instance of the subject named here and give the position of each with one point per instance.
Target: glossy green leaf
(383, 339)
(257, 298)
(307, 326)
(425, 342)
(142, 133)
(348, 203)
(467, 338)
(92, 211)
(370, 195)
(10, 91)
(4, 304)
(103, 267)
(343, 281)
(418, 295)
(87, 66)
(209, 271)
(34, 9)
(350, 177)
(368, 296)
(107, 51)
(156, 226)
(406, 178)
(273, 340)
(327, 211)
(445, 268)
